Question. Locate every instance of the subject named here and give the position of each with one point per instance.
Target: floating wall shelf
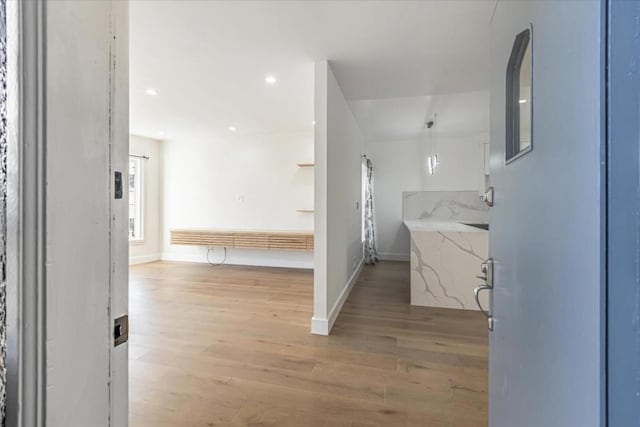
(306, 165)
(305, 210)
(244, 239)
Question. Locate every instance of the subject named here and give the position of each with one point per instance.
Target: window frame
(523, 40)
(139, 202)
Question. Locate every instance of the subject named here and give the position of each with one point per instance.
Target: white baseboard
(391, 256)
(143, 259)
(261, 258)
(323, 326)
(319, 326)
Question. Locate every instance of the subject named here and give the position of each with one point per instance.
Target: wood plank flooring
(230, 346)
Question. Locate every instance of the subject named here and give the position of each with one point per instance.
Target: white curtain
(370, 252)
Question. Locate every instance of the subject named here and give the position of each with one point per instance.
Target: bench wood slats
(244, 239)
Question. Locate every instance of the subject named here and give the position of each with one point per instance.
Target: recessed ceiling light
(313, 122)
(161, 132)
(522, 101)
(270, 80)
(151, 92)
(232, 129)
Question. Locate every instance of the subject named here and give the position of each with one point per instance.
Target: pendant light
(432, 159)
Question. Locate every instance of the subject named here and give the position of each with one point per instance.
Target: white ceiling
(208, 59)
(399, 119)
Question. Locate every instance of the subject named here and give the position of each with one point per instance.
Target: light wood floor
(230, 346)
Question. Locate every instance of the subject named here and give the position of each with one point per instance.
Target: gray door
(546, 347)
(623, 229)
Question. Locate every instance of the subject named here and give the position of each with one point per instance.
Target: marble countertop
(417, 225)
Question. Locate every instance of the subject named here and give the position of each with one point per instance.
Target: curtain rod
(139, 157)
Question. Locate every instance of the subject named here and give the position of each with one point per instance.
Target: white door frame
(27, 213)
(26, 209)
(119, 161)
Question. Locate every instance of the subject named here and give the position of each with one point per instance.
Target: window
(135, 199)
(519, 106)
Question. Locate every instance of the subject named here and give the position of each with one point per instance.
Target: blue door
(623, 213)
(546, 365)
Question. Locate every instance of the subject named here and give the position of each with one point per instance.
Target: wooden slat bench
(263, 239)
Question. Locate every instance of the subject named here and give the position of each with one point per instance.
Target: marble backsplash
(459, 206)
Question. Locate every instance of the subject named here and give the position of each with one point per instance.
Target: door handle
(476, 295)
(488, 197)
(487, 268)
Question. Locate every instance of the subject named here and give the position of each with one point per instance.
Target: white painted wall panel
(119, 366)
(338, 244)
(78, 134)
(345, 146)
(397, 167)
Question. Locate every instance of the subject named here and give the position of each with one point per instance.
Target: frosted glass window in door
(519, 99)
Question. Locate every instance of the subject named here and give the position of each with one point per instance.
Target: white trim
(319, 326)
(143, 259)
(246, 257)
(26, 210)
(320, 230)
(324, 326)
(119, 228)
(393, 256)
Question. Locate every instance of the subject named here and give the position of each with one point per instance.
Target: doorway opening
(247, 218)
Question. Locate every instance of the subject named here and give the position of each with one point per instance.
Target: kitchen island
(445, 260)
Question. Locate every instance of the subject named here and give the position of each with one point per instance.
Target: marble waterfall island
(445, 260)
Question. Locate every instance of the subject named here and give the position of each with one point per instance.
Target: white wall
(397, 167)
(150, 249)
(339, 146)
(400, 165)
(239, 181)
